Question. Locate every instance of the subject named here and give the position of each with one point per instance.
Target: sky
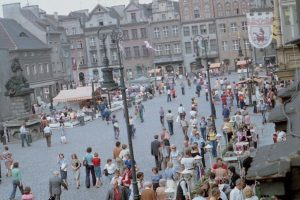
(65, 6)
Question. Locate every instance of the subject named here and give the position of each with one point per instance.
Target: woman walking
(8, 160)
(16, 180)
(97, 169)
(63, 167)
(76, 169)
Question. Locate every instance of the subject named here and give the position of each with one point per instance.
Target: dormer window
(133, 17)
(22, 34)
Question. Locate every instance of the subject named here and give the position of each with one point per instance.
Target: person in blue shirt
(89, 167)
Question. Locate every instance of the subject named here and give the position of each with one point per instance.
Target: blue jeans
(24, 138)
(214, 144)
(141, 116)
(203, 133)
(15, 185)
(170, 125)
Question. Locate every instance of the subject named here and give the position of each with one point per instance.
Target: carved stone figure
(17, 84)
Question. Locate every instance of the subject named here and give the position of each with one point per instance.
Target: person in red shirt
(221, 171)
(127, 176)
(97, 168)
(218, 164)
(223, 99)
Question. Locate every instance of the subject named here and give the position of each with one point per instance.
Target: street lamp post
(249, 86)
(212, 108)
(109, 83)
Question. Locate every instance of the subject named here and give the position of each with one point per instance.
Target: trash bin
(81, 120)
(29, 138)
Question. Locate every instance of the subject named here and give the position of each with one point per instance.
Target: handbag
(105, 172)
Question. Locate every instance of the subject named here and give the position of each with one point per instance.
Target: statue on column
(17, 84)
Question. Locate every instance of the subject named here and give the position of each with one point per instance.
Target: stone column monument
(18, 91)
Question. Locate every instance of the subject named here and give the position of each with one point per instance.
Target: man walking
(162, 116)
(117, 192)
(23, 135)
(182, 88)
(170, 121)
(89, 167)
(55, 184)
(263, 110)
(181, 111)
(48, 133)
(116, 127)
(169, 99)
(141, 109)
(155, 145)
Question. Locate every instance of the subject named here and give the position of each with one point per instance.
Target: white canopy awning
(79, 94)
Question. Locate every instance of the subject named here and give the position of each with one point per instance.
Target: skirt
(76, 174)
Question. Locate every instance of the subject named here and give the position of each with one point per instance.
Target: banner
(260, 29)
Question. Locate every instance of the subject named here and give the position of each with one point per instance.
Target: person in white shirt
(48, 133)
(111, 168)
(281, 136)
(237, 193)
(181, 111)
(23, 135)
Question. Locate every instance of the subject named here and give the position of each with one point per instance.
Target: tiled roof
(13, 36)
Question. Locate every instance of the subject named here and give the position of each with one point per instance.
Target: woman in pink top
(27, 194)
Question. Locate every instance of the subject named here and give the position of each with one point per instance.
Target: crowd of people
(194, 170)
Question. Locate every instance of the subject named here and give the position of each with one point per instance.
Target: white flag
(148, 46)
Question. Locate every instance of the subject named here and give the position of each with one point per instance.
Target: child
(27, 194)
(97, 169)
(63, 138)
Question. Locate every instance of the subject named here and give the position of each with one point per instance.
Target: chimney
(55, 15)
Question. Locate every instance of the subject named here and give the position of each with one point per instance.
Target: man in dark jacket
(55, 184)
(117, 192)
(155, 150)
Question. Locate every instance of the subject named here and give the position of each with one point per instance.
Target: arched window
(244, 7)
(219, 9)
(227, 9)
(236, 9)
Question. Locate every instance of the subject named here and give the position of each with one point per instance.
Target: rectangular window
(158, 50)
(125, 35)
(94, 58)
(134, 34)
(34, 69)
(235, 45)
(136, 51)
(222, 28)
(41, 68)
(188, 47)
(247, 44)
(196, 13)
(233, 27)
(92, 42)
(133, 17)
(166, 31)
(168, 49)
(203, 29)
(177, 48)
(224, 45)
(186, 31)
(175, 30)
(114, 55)
(156, 32)
(143, 33)
(213, 45)
(127, 52)
(74, 31)
(79, 44)
(100, 22)
(163, 17)
(145, 51)
(27, 70)
(47, 68)
(195, 30)
(244, 26)
(212, 28)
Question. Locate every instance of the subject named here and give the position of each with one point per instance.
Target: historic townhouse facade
(74, 27)
(137, 58)
(197, 20)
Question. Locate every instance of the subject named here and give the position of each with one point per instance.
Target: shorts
(97, 172)
(63, 174)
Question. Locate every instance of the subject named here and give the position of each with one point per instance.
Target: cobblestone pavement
(37, 162)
